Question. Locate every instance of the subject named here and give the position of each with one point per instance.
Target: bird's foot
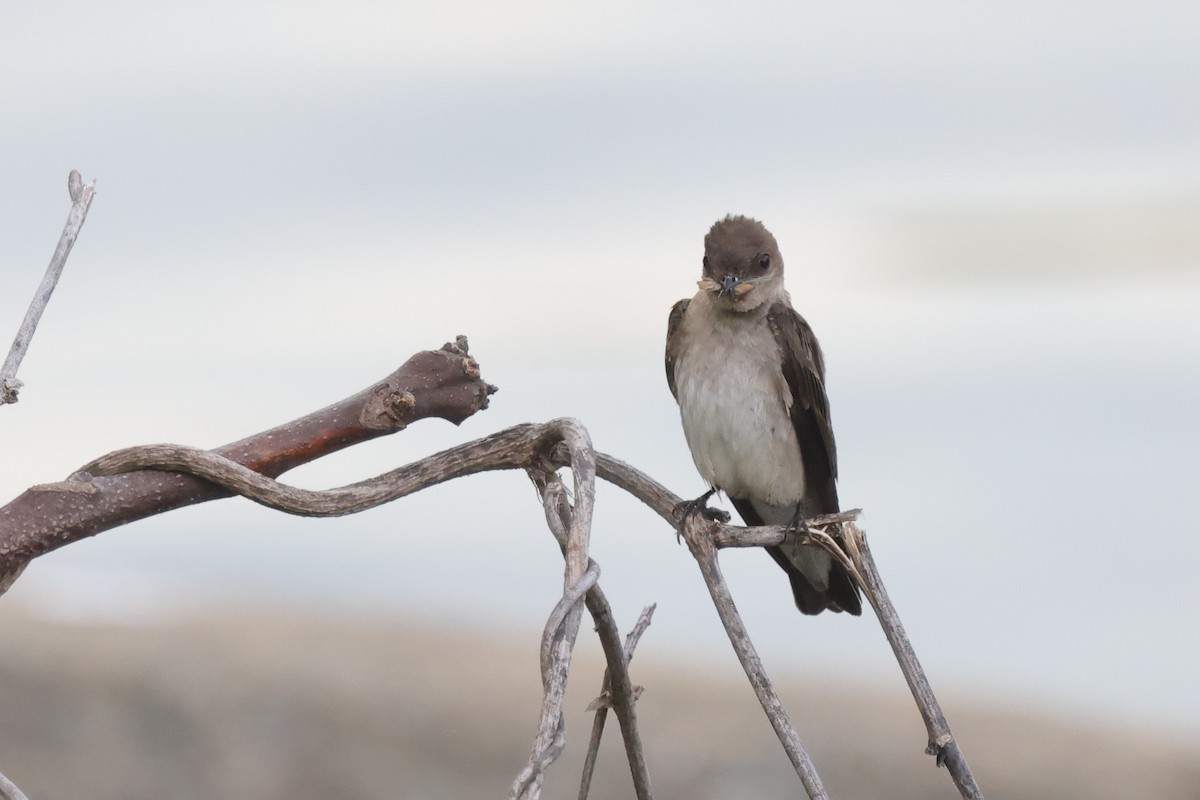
(798, 525)
(683, 510)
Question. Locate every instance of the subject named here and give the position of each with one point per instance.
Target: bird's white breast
(734, 402)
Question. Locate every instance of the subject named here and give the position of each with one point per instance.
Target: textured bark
(441, 383)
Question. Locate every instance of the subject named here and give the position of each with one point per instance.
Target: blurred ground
(242, 705)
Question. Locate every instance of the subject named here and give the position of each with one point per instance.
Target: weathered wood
(81, 200)
(441, 383)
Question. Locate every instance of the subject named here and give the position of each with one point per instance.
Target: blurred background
(989, 214)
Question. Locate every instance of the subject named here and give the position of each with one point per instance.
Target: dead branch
(9, 790)
(701, 535)
(860, 565)
(698, 533)
(623, 694)
(446, 384)
(425, 386)
(81, 201)
(581, 574)
(620, 697)
(441, 383)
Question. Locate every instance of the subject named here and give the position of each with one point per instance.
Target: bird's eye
(706, 263)
(762, 261)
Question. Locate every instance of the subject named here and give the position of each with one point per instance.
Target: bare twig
(770, 535)
(9, 790)
(698, 533)
(613, 697)
(558, 643)
(81, 201)
(942, 744)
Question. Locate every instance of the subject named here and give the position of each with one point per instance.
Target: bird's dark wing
(804, 371)
(673, 321)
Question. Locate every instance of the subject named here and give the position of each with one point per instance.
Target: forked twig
(610, 697)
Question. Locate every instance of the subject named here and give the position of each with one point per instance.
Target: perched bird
(749, 378)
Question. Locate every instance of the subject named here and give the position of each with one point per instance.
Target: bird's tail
(840, 593)
(818, 582)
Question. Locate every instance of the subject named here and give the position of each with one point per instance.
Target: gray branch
(81, 201)
(558, 639)
(539, 449)
(698, 533)
(618, 693)
(9, 790)
(861, 565)
(623, 694)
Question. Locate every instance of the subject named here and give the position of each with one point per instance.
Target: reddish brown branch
(441, 383)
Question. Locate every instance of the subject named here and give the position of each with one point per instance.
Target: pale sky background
(990, 215)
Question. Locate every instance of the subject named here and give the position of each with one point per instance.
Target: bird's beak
(737, 287)
(728, 287)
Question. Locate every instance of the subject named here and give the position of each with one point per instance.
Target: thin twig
(555, 659)
(81, 201)
(611, 697)
(697, 532)
(771, 535)
(9, 790)
(849, 547)
(942, 744)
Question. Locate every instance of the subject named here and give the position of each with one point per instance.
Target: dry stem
(9, 790)
(618, 693)
(581, 574)
(81, 201)
(698, 533)
(942, 744)
(862, 568)
(623, 695)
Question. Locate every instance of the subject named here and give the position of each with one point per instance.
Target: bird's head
(742, 265)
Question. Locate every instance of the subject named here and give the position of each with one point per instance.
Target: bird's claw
(794, 533)
(716, 514)
(683, 510)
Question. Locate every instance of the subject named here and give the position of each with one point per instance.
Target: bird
(749, 378)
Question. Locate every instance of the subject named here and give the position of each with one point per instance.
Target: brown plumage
(749, 377)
